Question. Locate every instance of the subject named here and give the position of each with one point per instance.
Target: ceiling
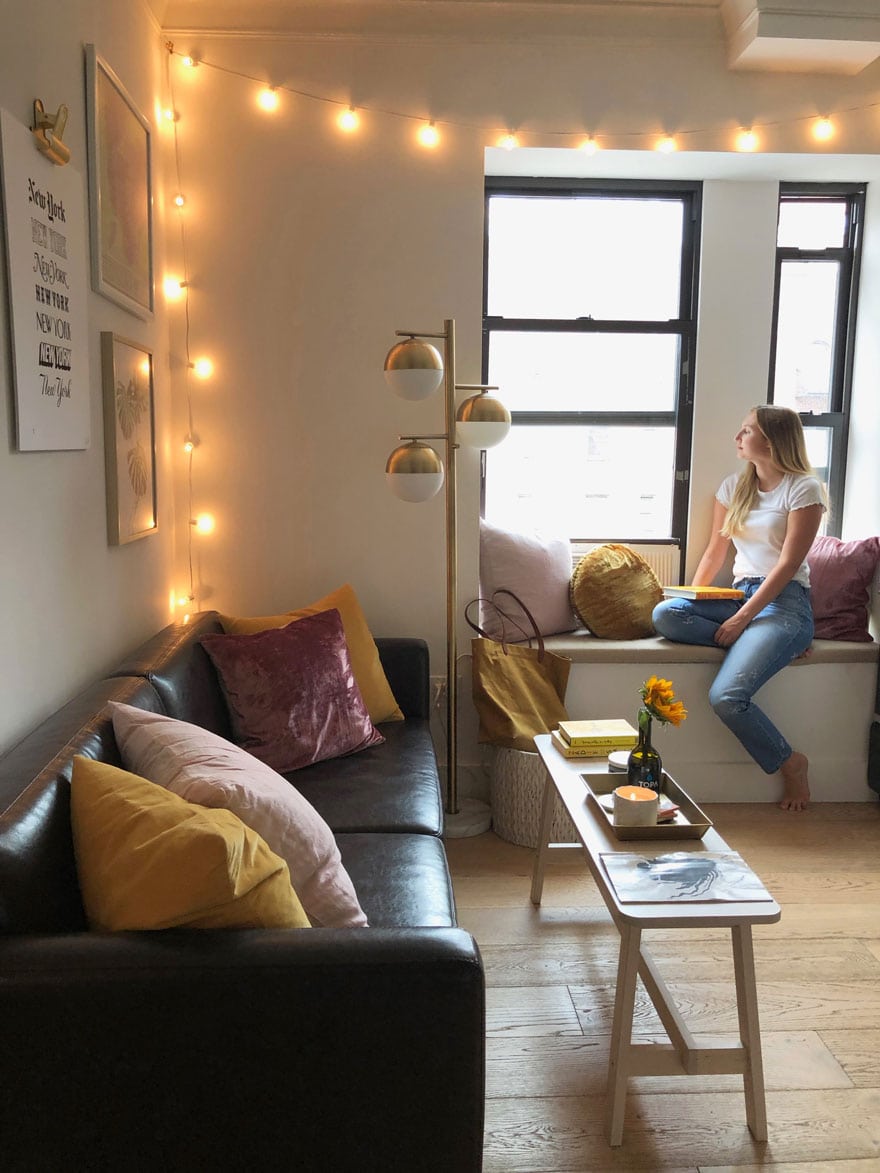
(813, 36)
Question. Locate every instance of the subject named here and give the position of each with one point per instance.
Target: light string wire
(190, 438)
(765, 124)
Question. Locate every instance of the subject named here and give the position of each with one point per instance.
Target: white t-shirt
(759, 542)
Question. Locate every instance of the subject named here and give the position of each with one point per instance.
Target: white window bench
(824, 705)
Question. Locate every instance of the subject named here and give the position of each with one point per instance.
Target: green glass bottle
(644, 767)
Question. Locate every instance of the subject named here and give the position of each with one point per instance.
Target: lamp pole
(451, 576)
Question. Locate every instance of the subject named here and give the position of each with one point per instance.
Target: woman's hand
(731, 629)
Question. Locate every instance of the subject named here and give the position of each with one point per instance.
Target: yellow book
(702, 592)
(580, 751)
(611, 733)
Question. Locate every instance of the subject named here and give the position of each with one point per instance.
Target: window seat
(824, 705)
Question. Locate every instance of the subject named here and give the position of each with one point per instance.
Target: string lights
(429, 132)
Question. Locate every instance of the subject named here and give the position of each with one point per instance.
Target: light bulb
(203, 368)
(482, 421)
(268, 99)
(589, 146)
(823, 130)
(666, 145)
(179, 200)
(414, 472)
(413, 369)
(429, 135)
(189, 443)
(190, 61)
(204, 523)
(348, 120)
(182, 600)
(747, 140)
(173, 288)
(169, 115)
(508, 142)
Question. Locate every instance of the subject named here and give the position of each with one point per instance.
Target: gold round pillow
(613, 591)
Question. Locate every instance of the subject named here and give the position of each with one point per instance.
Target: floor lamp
(414, 369)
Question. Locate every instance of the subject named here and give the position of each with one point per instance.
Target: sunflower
(658, 696)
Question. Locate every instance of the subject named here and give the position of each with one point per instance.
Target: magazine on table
(682, 876)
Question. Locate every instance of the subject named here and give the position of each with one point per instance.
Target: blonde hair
(781, 428)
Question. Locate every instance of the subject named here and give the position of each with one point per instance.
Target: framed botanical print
(120, 191)
(129, 439)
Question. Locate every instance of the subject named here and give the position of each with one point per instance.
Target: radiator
(663, 558)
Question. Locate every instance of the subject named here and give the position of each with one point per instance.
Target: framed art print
(120, 191)
(129, 439)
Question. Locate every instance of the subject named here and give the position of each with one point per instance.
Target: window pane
(808, 293)
(585, 372)
(573, 258)
(819, 449)
(809, 224)
(584, 482)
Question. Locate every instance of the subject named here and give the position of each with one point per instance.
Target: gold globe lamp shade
(482, 421)
(414, 472)
(413, 369)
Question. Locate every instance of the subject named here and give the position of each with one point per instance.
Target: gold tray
(689, 823)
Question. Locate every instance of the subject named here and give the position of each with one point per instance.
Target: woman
(771, 512)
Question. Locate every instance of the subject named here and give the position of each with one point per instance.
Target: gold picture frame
(129, 439)
(120, 191)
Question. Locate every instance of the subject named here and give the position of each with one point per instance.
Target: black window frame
(690, 193)
(849, 256)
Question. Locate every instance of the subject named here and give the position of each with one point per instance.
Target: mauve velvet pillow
(841, 574)
(292, 696)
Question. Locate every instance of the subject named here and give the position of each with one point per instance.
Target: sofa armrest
(317, 1049)
(406, 664)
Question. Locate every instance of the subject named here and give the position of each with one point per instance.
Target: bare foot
(797, 790)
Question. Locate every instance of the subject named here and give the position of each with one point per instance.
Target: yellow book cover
(577, 751)
(612, 733)
(702, 592)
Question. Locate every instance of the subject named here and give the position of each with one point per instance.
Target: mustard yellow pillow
(362, 650)
(614, 592)
(147, 859)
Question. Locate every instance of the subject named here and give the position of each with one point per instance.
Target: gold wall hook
(48, 130)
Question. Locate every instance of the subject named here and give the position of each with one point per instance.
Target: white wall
(70, 605)
(307, 249)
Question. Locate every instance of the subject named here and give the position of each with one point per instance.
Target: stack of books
(593, 739)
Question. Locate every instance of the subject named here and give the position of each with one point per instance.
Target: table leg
(621, 1030)
(547, 806)
(749, 1030)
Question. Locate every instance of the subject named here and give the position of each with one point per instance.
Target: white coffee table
(684, 1055)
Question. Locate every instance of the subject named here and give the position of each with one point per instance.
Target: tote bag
(518, 690)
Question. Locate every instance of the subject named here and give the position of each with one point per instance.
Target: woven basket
(516, 790)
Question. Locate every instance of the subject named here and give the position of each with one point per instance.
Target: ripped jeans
(779, 633)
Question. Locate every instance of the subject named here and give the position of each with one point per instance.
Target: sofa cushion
(147, 859)
(841, 575)
(292, 696)
(362, 649)
(404, 879)
(537, 570)
(204, 768)
(390, 787)
(614, 592)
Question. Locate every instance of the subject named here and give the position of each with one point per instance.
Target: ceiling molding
(802, 36)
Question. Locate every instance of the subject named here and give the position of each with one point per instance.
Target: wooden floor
(550, 989)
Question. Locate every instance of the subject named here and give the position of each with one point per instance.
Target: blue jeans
(779, 633)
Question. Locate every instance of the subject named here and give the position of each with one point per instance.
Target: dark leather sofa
(317, 1049)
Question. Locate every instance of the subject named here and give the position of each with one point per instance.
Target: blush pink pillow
(208, 770)
(841, 574)
(537, 570)
(291, 693)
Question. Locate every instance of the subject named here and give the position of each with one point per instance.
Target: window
(590, 330)
(818, 250)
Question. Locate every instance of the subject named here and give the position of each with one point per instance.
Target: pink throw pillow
(841, 574)
(537, 570)
(291, 693)
(208, 770)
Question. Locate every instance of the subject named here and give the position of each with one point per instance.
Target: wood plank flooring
(550, 991)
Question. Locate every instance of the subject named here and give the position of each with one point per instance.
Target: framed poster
(120, 191)
(44, 219)
(129, 439)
